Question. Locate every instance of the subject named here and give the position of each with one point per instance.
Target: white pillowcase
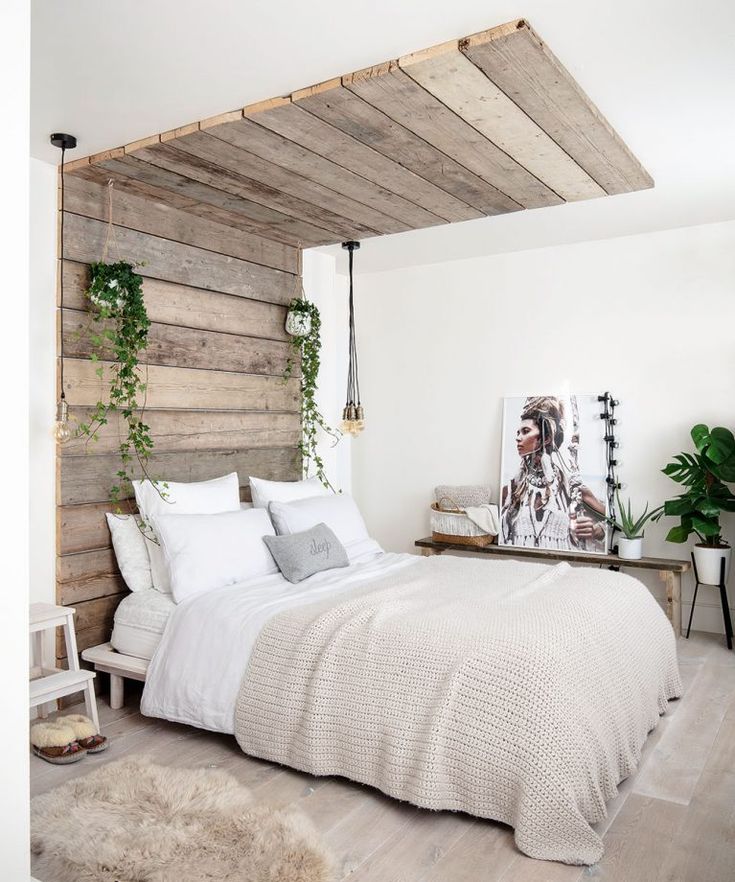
(204, 552)
(198, 497)
(338, 511)
(131, 551)
(265, 492)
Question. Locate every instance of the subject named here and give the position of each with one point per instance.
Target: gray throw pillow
(300, 555)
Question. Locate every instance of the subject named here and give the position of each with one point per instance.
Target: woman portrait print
(546, 504)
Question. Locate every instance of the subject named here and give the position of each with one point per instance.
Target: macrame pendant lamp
(353, 415)
(62, 429)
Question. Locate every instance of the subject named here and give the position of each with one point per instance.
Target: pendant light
(62, 430)
(353, 415)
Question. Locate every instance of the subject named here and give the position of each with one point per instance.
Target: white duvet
(196, 672)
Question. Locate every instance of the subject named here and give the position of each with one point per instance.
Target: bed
(513, 691)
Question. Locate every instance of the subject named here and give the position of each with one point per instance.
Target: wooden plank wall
(216, 296)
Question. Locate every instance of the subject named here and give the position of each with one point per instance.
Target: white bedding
(196, 672)
(140, 621)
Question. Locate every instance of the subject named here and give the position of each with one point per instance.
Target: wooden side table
(47, 681)
(669, 570)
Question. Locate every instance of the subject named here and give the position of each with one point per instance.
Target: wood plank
(183, 347)
(682, 753)
(142, 142)
(160, 258)
(72, 593)
(187, 389)
(86, 637)
(88, 195)
(168, 167)
(82, 528)
(182, 305)
(350, 114)
(181, 430)
(88, 478)
(674, 565)
(173, 134)
(452, 78)
(295, 123)
(249, 135)
(258, 218)
(204, 162)
(352, 214)
(86, 565)
(388, 88)
(522, 65)
(219, 119)
(123, 174)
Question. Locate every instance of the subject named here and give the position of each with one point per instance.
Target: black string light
(353, 415)
(62, 429)
(611, 450)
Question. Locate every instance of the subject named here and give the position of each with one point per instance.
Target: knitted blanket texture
(509, 690)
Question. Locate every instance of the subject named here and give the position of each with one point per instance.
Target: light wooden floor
(674, 820)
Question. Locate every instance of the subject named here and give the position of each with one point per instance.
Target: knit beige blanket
(513, 691)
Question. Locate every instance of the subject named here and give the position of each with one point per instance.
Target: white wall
(42, 314)
(650, 317)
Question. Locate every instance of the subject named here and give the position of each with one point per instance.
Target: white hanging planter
(708, 563)
(630, 549)
(298, 324)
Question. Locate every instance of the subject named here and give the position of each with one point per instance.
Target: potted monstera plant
(705, 476)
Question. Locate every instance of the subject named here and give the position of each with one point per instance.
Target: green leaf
(721, 446)
(700, 436)
(678, 534)
(706, 526)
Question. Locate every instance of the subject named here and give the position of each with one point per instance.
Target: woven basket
(452, 525)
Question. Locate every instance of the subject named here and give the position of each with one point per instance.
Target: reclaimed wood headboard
(216, 295)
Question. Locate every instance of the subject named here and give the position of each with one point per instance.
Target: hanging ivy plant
(119, 331)
(304, 325)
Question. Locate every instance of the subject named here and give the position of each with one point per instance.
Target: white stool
(47, 681)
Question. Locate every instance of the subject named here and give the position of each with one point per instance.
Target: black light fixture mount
(62, 429)
(353, 415)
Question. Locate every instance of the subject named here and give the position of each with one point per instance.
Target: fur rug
(133, 821)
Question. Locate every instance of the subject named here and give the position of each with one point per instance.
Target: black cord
(61, 279)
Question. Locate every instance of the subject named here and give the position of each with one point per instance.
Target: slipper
(56, 743)
(86, 733)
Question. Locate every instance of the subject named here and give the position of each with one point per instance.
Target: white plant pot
(708, 563)
(630, 549)
(298, 324)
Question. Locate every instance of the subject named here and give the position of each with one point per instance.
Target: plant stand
(723, 600)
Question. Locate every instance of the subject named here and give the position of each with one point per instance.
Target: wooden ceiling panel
(347, 112)
(476, 127)
(293, 157)
(391, 90)
(515, 58)
(353, 216)
(454, 80)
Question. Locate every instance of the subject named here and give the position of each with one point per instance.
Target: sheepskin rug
(134, 821)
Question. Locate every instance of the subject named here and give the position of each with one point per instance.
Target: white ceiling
(662, 72)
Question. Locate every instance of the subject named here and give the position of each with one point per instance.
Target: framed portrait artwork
(553, 474)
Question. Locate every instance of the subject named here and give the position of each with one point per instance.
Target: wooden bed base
(120, 667)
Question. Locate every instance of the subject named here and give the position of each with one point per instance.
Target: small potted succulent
(630, 543)
(704, 476)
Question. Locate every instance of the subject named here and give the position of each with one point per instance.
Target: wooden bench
(669, 570)
(120, 667)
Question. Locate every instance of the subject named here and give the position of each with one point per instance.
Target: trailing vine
(121, 325)
(307, 346)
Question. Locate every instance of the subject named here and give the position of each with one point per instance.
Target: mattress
(140, 620)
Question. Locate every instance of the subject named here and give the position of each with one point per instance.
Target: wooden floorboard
(673, 821)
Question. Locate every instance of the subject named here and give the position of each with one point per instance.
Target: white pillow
(204, 552)
(338, 511)
(130, 551)
(198, 497)
(265, 492)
